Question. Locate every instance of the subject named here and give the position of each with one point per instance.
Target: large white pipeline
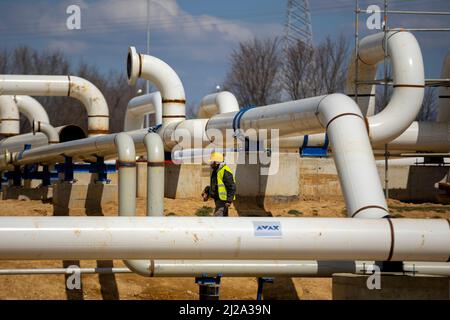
(342, 119)
(409, 82)
(340, 239)
(71, 86)
(164, 78)
(31, 109)
(9, 116)
(444, 93)
(139, 106)
(214, 103)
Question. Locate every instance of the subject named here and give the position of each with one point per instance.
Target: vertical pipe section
(164, 78)
(155, 194)
(127, 174)
(9, 116)
(71, 86)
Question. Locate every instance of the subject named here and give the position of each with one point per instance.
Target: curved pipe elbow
(139, 106)
(140, 267)
(125, 148)
(155, 148)
(50, 132)
(31, 109)
(164, 78)
(409, 82)
(9, 116)
(221, 102)
(60, 86)
(94, 102)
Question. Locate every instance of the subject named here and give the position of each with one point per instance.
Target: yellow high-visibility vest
(220, 186)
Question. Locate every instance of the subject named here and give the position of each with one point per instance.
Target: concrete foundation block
(392, 287)
(24, 193)
(79, 198)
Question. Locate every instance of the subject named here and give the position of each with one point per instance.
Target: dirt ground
(131, 286)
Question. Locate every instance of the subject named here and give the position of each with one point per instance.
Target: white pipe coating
(50, 132)
(206, 238)
(342, 119)
(31, 109)
(127, 173)
(444, 93)
(214, 103)
(9, 116)
(409, 83)
(71, 86)
(155, 193)
(164, 78)
(139, 106)
(408, 77)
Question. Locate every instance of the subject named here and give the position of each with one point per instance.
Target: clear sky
(194, 36)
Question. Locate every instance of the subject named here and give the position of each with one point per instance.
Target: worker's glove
(205, 193)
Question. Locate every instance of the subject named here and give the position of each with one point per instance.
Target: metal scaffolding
(386, 81)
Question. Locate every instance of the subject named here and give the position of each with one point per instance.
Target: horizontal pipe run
(245, 268)
(206, 238)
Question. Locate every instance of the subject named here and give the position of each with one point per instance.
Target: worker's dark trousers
(221, 210)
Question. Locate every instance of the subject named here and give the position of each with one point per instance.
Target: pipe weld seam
(9, 119)
(126, 164)
(409, 86)
(181, 101)
(342, 115)
(359, 59)
(369, 207)
(361, 95)
(98, 131)
(140, 65)
(391, 249)
(68, 90)
(174, 116)
(152, 268)
(155, 164)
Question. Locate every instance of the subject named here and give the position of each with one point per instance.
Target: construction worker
(222, 187)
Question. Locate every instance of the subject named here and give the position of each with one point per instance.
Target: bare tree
(253, 76)
(298, 70)
(314, 71)
(63, 110)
